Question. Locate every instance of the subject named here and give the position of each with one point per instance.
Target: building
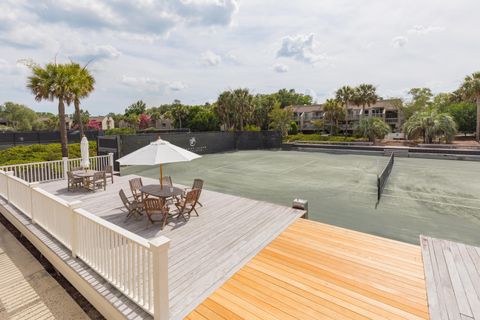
(101, 122)
(388, 110)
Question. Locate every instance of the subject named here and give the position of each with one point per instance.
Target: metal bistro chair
(133, 207)
(135, 185)
(73, 182)
(187, 204)
(156, 206)
(109, 172)
(99, 180)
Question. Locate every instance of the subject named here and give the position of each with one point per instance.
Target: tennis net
(383, 177)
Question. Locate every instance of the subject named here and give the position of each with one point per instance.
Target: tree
(345, 95)
(84, 118)
(421, 99)
(243, 106)
(470, 90)
(82, 85)
(373, 128)
(144, 121)
(333, 113)
(264, 103)
(180, 113)
(225, 109)
(204, 120)
(18, 116)
(290, 98)
(281, 119)
(365, 95)
(49, 83)
(430, 125)
(465, 115)
(319, 124)
(136, 108)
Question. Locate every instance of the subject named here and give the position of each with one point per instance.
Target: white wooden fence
(135, 266)
(54, 170)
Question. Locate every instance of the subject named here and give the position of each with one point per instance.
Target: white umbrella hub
(158, 152)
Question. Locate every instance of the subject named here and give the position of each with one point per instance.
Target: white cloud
(422, 30)
(301, 48)
(142, 83)
(147, 84)
(94, 53)
(280, 68)
(176, 86)
(210, 58)
(399, 41)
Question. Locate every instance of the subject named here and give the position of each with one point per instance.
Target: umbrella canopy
(158, 152)
(85, 153)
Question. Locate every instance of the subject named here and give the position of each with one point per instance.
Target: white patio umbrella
(158, 152)
(84, 151)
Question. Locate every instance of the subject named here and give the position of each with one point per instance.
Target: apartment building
(388, 110)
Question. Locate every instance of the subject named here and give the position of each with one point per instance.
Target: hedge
(41, 152)
(319, 137)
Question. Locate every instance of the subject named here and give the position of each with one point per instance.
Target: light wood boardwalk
(452, 273)
(318, 271)
(206, 250)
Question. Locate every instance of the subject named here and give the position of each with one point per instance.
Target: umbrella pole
(161, 177)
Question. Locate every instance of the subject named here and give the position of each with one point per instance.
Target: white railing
(54, 170)
(96, 163)
(135, 266)
(53, 214)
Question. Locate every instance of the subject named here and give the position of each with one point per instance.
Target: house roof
(386, 104)
(308, 108)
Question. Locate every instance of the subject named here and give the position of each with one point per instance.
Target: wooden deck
(317, 271)
(453, 279)
(205, 251)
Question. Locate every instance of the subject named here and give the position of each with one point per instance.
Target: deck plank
(312, 271)
(205, 251)
(453, 279)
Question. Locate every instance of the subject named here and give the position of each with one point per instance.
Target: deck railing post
(159, 248)
(33, 185)
(74, 241)
(65, 167)
(8, 175)
(302, 205)
(110, 159)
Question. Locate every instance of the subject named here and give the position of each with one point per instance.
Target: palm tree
(49, 83)
(345, 95)
(333, 112)
(365, 95)
(373, 128)
(224, 109)
(81, 86)
(429, 125)
(243, 102)
(470, 89)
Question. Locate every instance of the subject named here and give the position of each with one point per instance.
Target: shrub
(252, 127)
(115, 131)
(293, 128)
(373, 128)
(41, 152)
(319, 137)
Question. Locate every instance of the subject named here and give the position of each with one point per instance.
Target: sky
(192, 50)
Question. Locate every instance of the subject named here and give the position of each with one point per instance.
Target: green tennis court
(440, 198)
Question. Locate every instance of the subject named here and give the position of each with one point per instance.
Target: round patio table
(85, 175)
(165, 192)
